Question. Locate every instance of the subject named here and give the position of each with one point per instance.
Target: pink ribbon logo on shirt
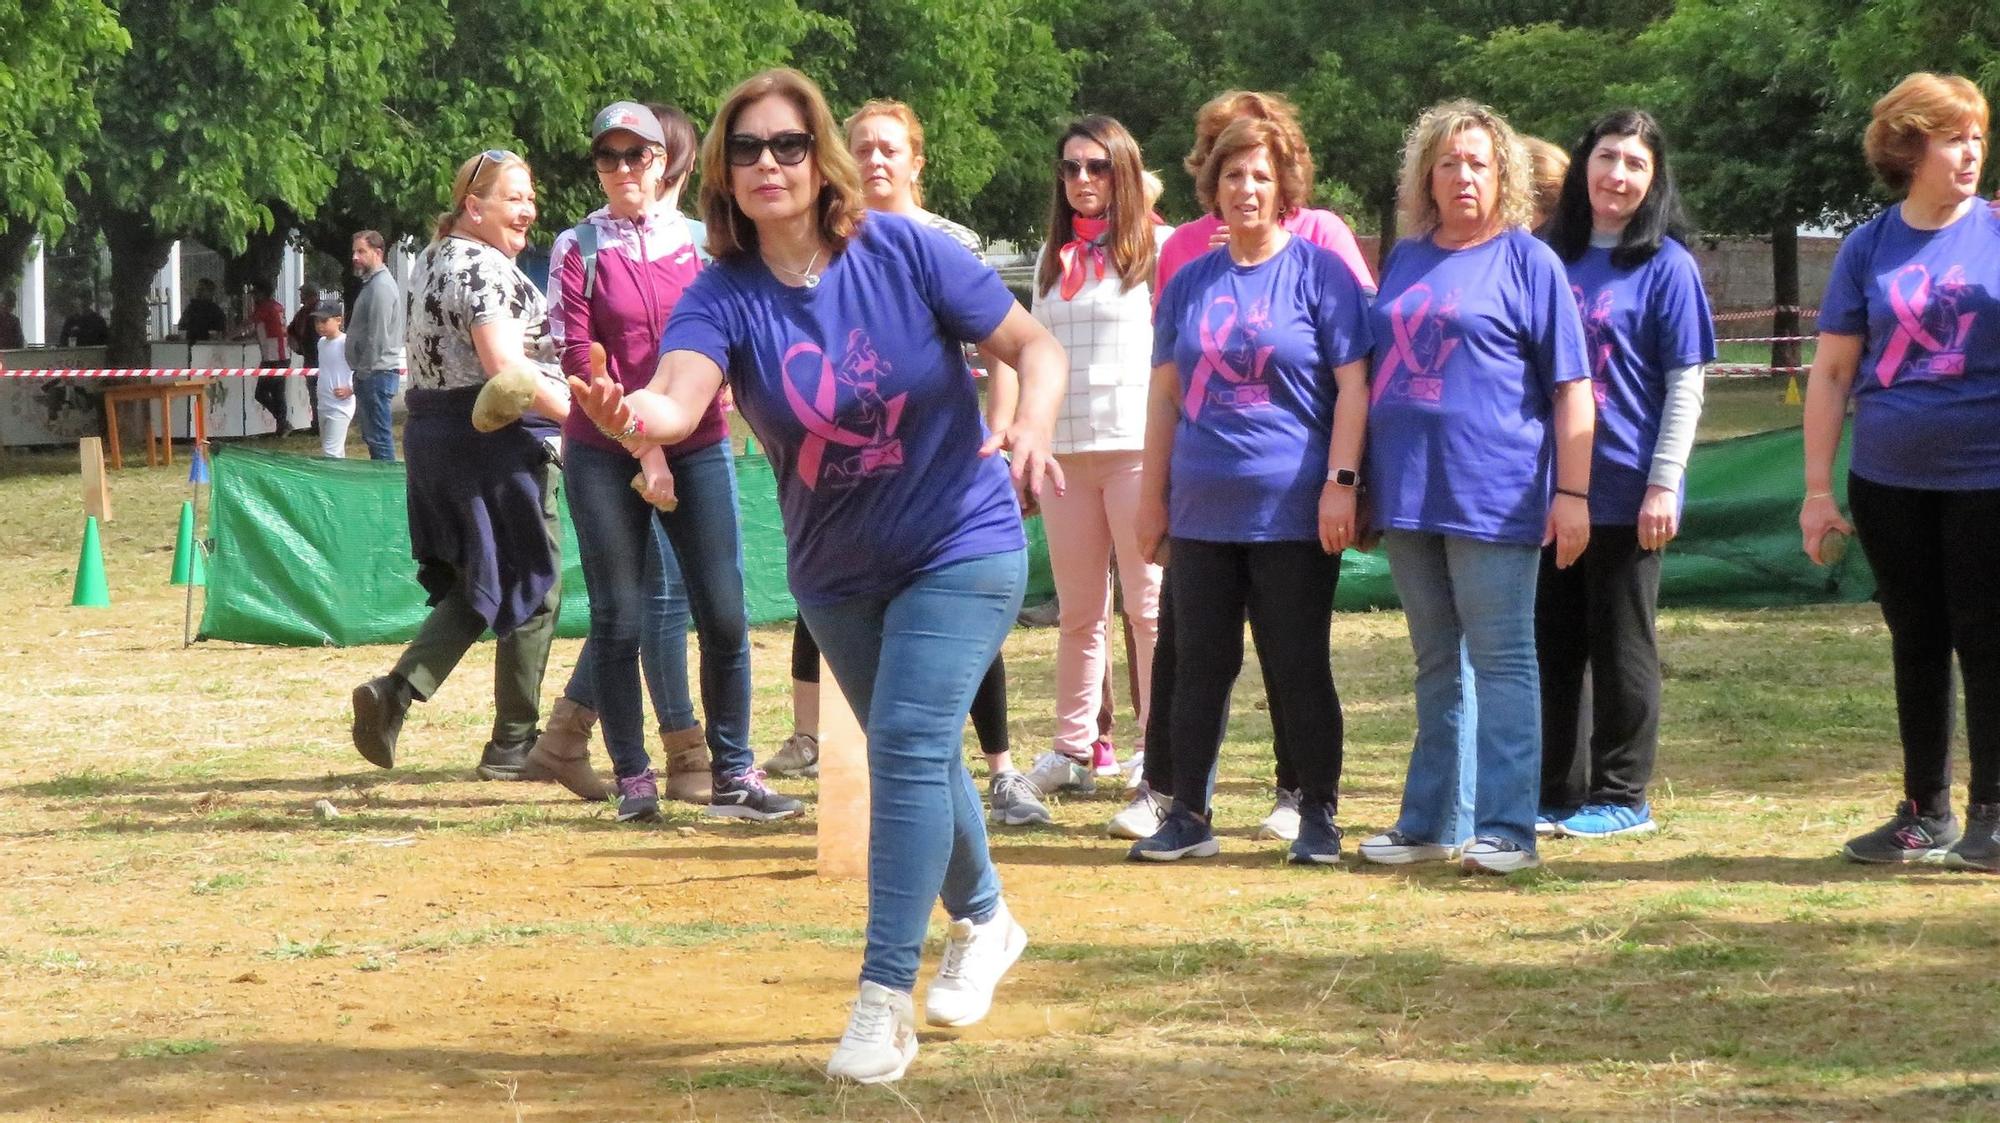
(860, 419)
(1415, 333)
(1926, 320)
(1597, 337)
(1233, 355)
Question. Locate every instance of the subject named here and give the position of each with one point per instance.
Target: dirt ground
(183, 935)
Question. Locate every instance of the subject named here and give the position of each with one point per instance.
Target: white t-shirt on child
(335, 374)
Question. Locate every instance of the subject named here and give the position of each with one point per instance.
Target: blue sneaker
(1605, 820)
(1318, 843)
(746, 796)
(1182, 834)
(1549, 820)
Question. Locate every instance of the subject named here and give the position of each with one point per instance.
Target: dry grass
(181, 937)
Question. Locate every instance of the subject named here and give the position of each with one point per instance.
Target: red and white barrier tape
(1767, 339)
(161, 372)
(1766, 313)
(1726, 370)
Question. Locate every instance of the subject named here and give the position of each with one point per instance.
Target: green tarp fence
(310, 552)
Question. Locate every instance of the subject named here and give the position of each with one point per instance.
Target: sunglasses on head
(1098, 167)
(638, 158)
(493, 155)
(787, 148)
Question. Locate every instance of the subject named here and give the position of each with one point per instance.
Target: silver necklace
(806, 275)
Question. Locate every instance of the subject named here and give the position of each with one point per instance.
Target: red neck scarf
(1083, 253)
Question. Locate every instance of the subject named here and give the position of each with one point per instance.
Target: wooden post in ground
(843, 784)
(96, 485)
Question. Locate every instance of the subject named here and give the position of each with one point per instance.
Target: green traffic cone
(91, 591)
(184, 547)
(200, 566)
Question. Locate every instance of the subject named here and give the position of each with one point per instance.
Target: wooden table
(162, 394)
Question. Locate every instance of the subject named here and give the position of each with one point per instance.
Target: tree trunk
(262, 258)
(14, 243)
(138, 250)
(1785, 290)
(1385, 221)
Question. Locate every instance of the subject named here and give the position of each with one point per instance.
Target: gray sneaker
(1015, 801)
(798, 756)
(1979, 848)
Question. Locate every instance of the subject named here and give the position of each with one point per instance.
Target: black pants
(1158, 767)
(1600, 665)
(1933, 554)
(989, 705)
(1286, 590)
(270, 393)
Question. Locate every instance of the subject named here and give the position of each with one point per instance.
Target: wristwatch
(1345, 477)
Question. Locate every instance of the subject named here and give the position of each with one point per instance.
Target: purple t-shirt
(1256, 346)
(1927, 395)
(859, 390)
(1639, 325)
(1469, 347)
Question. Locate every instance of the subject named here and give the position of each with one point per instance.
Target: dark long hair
(1133, 251)
(1660, 215)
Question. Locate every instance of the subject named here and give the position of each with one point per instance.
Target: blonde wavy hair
(1417, 208)
(477, 176)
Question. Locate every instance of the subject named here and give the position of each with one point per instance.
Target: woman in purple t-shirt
(1618, 226)
(1252, 457)
(841, 334)
(1910, 328)
(1481, 403)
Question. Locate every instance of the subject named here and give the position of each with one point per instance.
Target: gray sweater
(375, 330)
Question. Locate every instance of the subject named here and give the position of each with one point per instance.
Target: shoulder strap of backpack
(586, 245)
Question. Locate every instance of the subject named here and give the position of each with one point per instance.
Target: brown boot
(562, 752)
(687, 765)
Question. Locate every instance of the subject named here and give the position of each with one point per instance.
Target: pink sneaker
(1103, 758)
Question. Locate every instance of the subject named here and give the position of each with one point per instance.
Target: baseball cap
(630, 116)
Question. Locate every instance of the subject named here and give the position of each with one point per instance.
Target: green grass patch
(178, 1047)
(284, 947)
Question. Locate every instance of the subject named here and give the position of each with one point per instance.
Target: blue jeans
(374, 393)
(1471, 607)
(909, 664)
(614, 534)
(663, 639)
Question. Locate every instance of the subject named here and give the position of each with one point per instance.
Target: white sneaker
(976, 957)
(798, 756)
(1283, 821)
(1395, 848)
(1142, 817)
(1059, 772)
(1497, 855)
(881, 1037)
(1015, 801)
(1135, 770)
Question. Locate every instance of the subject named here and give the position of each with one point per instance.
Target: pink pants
(1084, 525)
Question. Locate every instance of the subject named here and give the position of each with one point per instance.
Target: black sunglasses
(638, 159)
(787, 148)
(1098, 167)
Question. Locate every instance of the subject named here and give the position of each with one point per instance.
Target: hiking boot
(1498, 856)
(1283, 821)
(1394, 848)
(1318, 841)
(504, 760)
(688, 766)
(1015, 801)
(1141, 817)
(562, 753)
(1182, 834)
(1907, 837)
(745, 796)
(976, 958)
(1607, 820)
(1060, 772)
(1980, 848)
(380, 704)
(881, 1037)
(639, 797)
(798, 756)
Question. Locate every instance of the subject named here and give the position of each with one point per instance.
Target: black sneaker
(1909, 837)
(380, 704)
(503, 760)
(1980, 848)
(1182, 834)
(1319, 840)
(745, 797)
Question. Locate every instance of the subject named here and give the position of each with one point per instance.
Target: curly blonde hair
(1417, 208)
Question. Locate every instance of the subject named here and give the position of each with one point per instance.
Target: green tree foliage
(48, 107)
